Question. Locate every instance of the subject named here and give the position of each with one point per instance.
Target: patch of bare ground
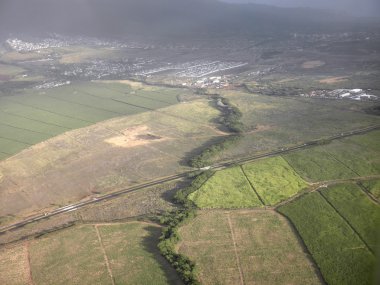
(333, 80)
(135, 136)
(313, 64)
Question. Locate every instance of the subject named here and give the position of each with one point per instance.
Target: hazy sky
(354, 7)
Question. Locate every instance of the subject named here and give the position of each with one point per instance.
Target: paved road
(76, 206)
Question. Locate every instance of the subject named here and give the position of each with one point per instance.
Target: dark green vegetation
(37, 115)
(172, 221)
(362, 213)
(231, 120)
(340, 253)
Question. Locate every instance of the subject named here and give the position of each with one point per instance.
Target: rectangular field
(346, 158)
(36, 115)
(14, 265)
(339, 252)
(71, 256)
(274, 179)
(228, 188)
(358, 209)
(133, 254)
(97, 254)
(245, 247)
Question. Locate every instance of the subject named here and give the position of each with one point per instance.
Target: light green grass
(274, 179)
(267, 249)
(133, 255)
(226, 189)
(373, 186)
(340, 254)
(355, 206)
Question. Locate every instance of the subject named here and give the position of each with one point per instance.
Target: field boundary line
(367, 192)
(303, 245)
(348, 223)
(104, 255)
(341, 162)
(30, 276)
(253, 188)
(235, 249)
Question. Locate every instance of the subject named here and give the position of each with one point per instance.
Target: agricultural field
(37, 115)
(373, 186)
(245, 247)
(106, 155)
(339, 252)
(274, 122)
(358, 209)
(89, 254)
(226, 189)
(14, 265)
(343, 159)
(274, 179)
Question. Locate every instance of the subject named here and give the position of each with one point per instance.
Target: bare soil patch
(313, 64)
(333, 80)
(135, 136)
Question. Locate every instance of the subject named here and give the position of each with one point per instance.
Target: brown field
(14, 265)
(246, 247)
(82, 162)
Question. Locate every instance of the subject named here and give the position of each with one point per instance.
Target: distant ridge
(156, 18)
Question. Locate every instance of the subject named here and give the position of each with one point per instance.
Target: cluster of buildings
(353, 94)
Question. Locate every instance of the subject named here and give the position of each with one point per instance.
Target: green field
(373, 186)
(274, 179)
(358, 209)
(346, 158)
(339, 252)
(37, 115)
(226, 189)
(78, 256)
(245, 247)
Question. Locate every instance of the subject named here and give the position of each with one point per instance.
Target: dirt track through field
(235, 249)
(30, 276)
(104, 254)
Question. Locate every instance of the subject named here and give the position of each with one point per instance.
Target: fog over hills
(157, 18)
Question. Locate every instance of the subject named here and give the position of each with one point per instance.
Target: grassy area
(36, 115)
(315, 165)
(133, 255)
(273, 122)
(226, 189)
(14, 266)
(340, 254)
(360, 211)
(347, 158)
(274, 179)
(76, 256)
(373, 186)
(72, 256)
(266, 248)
